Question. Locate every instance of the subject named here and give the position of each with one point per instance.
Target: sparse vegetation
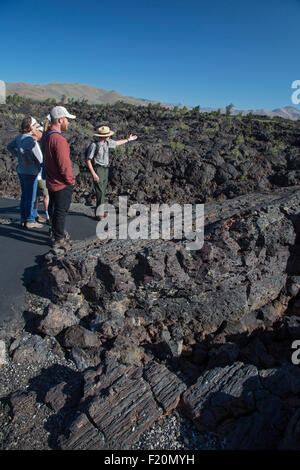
(182, 155)
(239, 140)
(278, 147)
(176, 146)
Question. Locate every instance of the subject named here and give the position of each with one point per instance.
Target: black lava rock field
(182, 156)
(120, 335)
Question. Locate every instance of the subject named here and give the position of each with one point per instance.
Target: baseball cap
(39, 127)
(33, 121)
(60, 112)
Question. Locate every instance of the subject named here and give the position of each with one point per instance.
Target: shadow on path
(34, 236)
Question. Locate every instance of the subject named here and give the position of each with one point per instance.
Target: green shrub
(235, 152)
(176, 146)
(278, 147)
(120, 150)
(88, 129)
(239, 140)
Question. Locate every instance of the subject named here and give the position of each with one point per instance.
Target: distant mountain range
(288, 112)
(77, 91)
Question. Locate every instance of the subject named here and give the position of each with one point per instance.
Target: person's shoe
(62, 243)
(33, 225)
(48, 222)
(22, 223)
(40, 219)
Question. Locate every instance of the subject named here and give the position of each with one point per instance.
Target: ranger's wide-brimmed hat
(104, 131)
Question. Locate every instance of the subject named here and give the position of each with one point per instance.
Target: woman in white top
(25, 148)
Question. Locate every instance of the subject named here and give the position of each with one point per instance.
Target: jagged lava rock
(56, 319)
(121, 404)
(244, 265)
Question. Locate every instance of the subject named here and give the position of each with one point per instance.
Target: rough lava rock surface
(119, 335)
(153, 327)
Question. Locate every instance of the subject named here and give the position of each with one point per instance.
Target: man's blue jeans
(28, 195)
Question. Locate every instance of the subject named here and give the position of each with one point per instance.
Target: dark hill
(70, 91)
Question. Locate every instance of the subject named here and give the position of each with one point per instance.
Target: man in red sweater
(60, 179)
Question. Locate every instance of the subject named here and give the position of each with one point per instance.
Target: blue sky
(208, 53)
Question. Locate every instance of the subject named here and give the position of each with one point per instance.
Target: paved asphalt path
(20, 249)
